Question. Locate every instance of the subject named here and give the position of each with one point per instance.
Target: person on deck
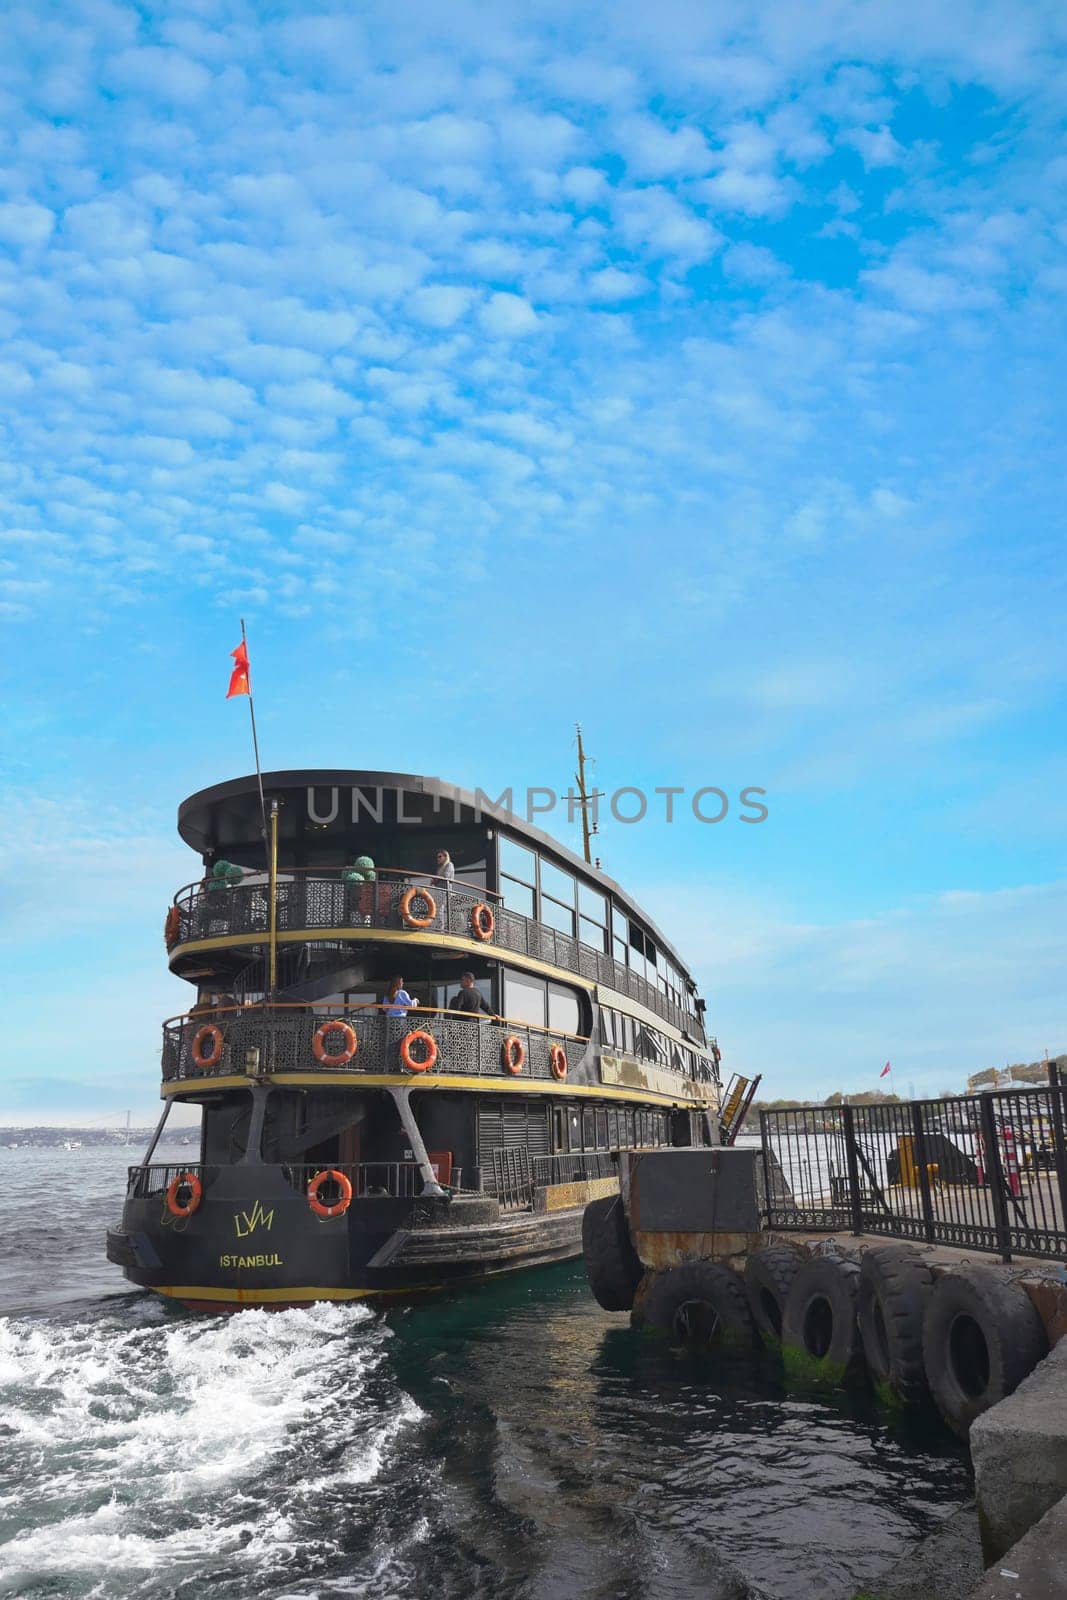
(468, 999)
(397, 1000)
(446, 869)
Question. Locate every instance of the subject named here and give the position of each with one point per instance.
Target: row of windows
(539, 889)
(630, 1036)
(608, 1128)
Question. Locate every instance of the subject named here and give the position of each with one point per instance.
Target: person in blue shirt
(397, 1000)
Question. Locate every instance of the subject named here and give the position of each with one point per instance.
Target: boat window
(524, 999)
(517, 896)
(560, 885)
(592, 934)
(619, 951)
(517, 861)
(557, 916)
(563, 1011)
(593, 905)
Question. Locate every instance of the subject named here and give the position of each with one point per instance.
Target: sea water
(511, 1441)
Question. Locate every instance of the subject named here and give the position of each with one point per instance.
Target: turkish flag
(884, 1070)
(239, 675)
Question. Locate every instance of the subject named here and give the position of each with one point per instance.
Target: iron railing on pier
(985, 1172)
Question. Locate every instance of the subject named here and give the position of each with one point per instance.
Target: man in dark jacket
(468, 999)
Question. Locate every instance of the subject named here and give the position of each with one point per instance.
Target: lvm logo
(246, 1222)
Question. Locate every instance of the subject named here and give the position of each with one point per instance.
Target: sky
(694, 371)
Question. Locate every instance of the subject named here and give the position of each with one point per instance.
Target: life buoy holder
(338, 1058)
(426, 1042)
(513, 1054)
(193, 1191)
(343, 1185)
(208, 1031)
(483, 922)
(557, 1062)
(407, 900)
(172, 928)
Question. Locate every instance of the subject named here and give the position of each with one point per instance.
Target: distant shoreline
(93, 1138)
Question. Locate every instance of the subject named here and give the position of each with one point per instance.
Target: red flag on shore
(884, 1070)
(239, 675)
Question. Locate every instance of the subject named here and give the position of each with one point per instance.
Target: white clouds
(167, 75)
(923, 983)
(877, 147)
(610, 285)
(653, 221)
(652, 150)
(25, 223)
(507, 316)
(440, 305)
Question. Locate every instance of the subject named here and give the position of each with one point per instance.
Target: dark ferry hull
(253, 1241)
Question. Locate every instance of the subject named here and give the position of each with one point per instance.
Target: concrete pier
(1019, 1451)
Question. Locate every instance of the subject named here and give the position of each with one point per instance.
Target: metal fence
(985, 1172)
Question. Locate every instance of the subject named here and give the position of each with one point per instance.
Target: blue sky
(692, 370)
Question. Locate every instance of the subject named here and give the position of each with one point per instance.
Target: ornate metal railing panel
(576, 1166)
(273, 1039)
(982, 1172)
(325, 902)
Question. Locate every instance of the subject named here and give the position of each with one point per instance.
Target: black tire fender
(895, 1289)
(820, 1339)
(700, 1302)
(769, 1275)
(982, 1335)
(611, 1263)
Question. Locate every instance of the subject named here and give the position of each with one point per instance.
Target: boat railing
(145, 1181)
(317, 899)
(370, 1180)
(576, 1166)
(266, 1040)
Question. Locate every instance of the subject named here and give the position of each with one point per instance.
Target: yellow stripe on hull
(472, 1085)
(267, 1297)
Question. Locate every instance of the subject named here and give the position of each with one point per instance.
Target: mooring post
(1059, 1147)
(919, 1146)
(849, 1126)
(994, 1168)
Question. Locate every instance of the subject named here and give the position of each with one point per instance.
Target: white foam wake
(130, 1445)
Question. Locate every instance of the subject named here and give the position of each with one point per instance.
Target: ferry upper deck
(562, 956)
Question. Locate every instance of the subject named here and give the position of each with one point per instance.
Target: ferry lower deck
(342, 1192)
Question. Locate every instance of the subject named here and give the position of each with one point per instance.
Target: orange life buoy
(339, 1058)
(429, 1044)
(187, 1181)
(406, 901)
(557, 1062)
(172, 928)
(344, 1193)
(483, 922)
(513, 1054)
(208, 1031)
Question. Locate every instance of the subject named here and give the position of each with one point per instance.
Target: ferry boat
(350, 1147)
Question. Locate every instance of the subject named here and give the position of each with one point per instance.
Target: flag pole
(255, 743)
(273, 898)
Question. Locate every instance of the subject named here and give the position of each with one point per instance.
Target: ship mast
(584, 800)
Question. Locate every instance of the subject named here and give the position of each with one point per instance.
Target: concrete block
(1035, 1568)
(1019, 1451)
